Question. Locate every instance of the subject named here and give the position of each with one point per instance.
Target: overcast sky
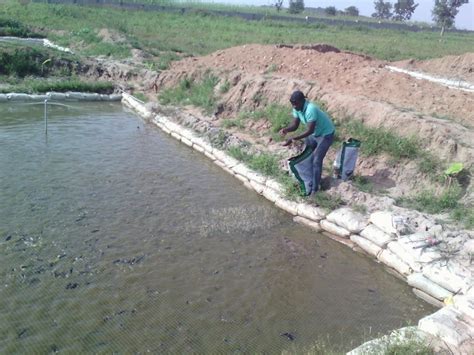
(464, 20)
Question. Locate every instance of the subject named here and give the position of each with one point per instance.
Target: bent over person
(318, 136)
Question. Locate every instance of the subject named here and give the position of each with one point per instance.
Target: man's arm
(293, 126)
(309, 131)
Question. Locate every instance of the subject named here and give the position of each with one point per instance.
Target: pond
(116, 238)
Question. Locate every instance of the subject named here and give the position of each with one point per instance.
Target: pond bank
(434, 261)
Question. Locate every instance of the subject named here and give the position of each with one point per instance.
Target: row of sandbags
(382, 235)
(60, 96)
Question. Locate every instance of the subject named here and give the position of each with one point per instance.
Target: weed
(264, 163)
(271, 68)
(224, 87)
(189, 92)
(326, 201)
(363, 184)
(359, 208)
(141, 96)
(291, 187)
(42, 86)
(431, 202)
(229, 123)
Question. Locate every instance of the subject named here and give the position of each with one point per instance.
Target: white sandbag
(419, 281)
(376, 235)
(247, 172)
(366, 245)
(348, 219)
(257, 187)
(428, 298)
(307, 222)
(414, 245)
(287, 205)
(199, 148)
(242, 178)
(165, 129)
(209, 155)
(80, 96)
(247, 185)
(59, 96)
(399, 251)
(275, 185)
(446, 325)
(203, 144)
(465, 305)
(389, 222)
(334, 229)
(270, 194)
(311, 212)
(173, 127)
(390, 259)
(227, 170)
(3, 98)
(186, 141)
(450, 275)
(18, 97)
(188, 134)
(219, 164)
(175, 135)
(37, 97)
(115, 97)
(91, 96)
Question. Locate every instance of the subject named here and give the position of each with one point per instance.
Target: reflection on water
(115, 238)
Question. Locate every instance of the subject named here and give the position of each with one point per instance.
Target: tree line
(444, 11)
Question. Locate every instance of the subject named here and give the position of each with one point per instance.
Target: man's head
(297, 100)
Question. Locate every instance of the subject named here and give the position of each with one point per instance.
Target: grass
(10, 27)
(327, 201)
(446, 201)
(191, 92)
(379, 140)
(264, 163)
(198, 34)
(363, 184)
(32, 86)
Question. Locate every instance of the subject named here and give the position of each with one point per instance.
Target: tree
(296, 6)
(404, 9)
(445, 11)
(330, 10)
(352, 11)
(278, 5)
(383, 10)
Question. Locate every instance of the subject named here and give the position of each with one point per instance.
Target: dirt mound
(459, 67)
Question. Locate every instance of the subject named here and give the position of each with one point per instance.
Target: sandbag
(256, 186)
(307, 222)
(445, 325)
(408, 258)
(18, 97)
(311, 212)
(417, 245)
(389, 222)
(56, 96)
(390, 259)
(334, 229)
(419, 281)
(366, 245)
(270, 194)
(3, 98)
(275, 185)
(348, 219)
(287, 205)
(450, 275)
(376, 235)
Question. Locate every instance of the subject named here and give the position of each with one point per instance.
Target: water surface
(116, 238)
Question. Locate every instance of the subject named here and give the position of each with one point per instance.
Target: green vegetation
(447, 201)
(192, 92)
(10, 27)
(265, 163)
(363, 184)
(200, 33)
(326, 201)
(32, 86)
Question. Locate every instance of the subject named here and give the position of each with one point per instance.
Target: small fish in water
(288, 335)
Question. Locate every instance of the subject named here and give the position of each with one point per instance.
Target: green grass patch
(327, 201)
(363, 184)
(191, 92)
(199, 33)
(264, 163)
(432, 202)
(34, 86)
(230, 123)
(14, 28)
(141, 96)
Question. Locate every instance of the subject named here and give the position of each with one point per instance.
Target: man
(319, 134)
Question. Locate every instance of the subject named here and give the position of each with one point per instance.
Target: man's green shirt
(312, 113)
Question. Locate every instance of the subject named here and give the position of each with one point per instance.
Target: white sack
(348, 219)
(307, 222)
(450, 275)
(419, 281)
(288, 206)
(366, 245)
(334, 229)
(389, 223)
(390, 259)
(376, 235)
(311, 212)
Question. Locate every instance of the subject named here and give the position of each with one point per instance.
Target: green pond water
(115, 238)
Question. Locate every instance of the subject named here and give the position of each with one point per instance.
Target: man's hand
(288, 142)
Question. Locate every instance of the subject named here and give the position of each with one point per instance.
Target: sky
(464, 19)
